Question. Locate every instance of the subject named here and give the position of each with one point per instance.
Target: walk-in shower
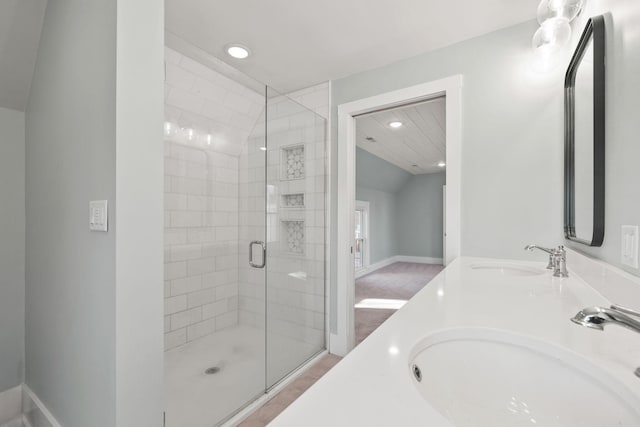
(244, 240)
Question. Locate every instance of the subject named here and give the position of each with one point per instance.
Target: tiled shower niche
(293, 237)
(293, 200)
(293, 162)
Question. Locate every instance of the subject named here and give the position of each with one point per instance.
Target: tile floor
(291, 392)
(398, 281)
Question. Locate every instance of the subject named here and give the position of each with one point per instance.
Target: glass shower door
(295, 236)
(244, 240)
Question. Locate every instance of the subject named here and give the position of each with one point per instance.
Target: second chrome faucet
(598, 317)
(557, 259)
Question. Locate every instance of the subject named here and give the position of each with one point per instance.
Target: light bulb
(559, 9)
(190, 134)
(551, 36)
(238, 51)
(209, 139)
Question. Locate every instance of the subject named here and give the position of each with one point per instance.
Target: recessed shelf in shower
(295, 200)
(292, 163)
(293, 239)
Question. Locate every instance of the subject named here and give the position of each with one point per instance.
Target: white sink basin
(508, 269)
(488, 378)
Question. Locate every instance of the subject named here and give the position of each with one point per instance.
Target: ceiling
(297, 44)
(417, 146)
(20, 27)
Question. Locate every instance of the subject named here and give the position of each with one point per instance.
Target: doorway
(342, 337)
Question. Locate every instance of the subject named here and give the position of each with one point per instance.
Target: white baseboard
(35, 413)
(417, 259)
(373, 267)
(397, 258)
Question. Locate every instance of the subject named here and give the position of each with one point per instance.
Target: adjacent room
(399, 219)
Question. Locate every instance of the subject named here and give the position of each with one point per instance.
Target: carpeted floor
(396, 282)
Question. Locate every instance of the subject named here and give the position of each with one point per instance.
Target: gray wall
(419, 216)
(509, 112)
(11, 248)
(512, 130)
(405, 211)
(70, 159)
(373, 172)
(512, 135)
(512, 155)
(382, 222)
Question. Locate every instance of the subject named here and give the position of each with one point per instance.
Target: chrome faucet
(557, 259)
(598, 317)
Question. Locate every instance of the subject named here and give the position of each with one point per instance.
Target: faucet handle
(625, 310)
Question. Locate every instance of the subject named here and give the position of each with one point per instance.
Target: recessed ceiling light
(395, 124)
(263, 148)
(238, 51)
(442, 164)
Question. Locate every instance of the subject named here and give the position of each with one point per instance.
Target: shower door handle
(264, 254)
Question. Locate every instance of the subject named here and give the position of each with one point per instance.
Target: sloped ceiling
(20, 27)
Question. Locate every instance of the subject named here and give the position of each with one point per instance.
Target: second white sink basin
(508, 269)
(479, 377)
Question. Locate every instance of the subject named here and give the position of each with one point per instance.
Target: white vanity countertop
(372, 386)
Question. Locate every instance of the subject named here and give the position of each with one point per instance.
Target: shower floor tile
(194, 398)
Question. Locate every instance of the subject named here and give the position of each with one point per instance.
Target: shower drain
(212, 370)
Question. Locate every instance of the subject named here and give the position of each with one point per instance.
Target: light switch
(98, 215)
(630, 245)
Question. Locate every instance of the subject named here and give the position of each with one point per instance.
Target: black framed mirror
(584, 105)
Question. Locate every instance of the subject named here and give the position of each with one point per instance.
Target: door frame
(343, 340)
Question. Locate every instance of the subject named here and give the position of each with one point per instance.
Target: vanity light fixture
(395, 124)
(555, 17)
(442, 164)
(552, 36)
(559, 9)
(238, 51)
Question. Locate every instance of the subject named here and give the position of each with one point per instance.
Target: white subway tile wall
(215, 204)
(201, 196)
